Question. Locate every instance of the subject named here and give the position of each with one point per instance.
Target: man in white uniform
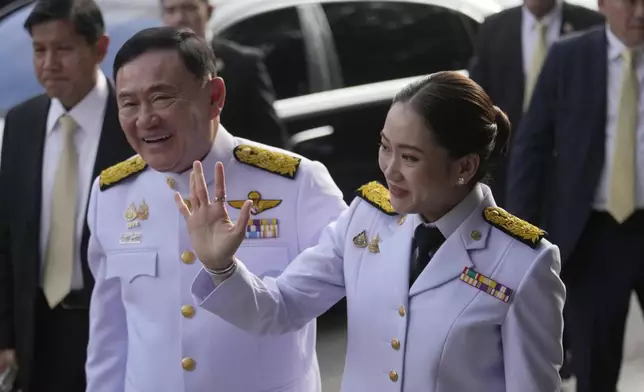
(147, 335)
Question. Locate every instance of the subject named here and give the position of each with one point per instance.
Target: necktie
(621, 197)
(59, 257)
(427, 240)
(538, 57)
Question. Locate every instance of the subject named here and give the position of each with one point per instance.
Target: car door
(293, 42)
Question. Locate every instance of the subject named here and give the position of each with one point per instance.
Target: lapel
(453, 256)
(568, 20)
(34, 142)
(395, 245)
(111, 143)
(514, 52)
(596, 63)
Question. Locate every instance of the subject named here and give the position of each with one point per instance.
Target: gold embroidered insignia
(378, 196)
(259, 205)
(271, 161)
(119, 172)
(402, 219)
(361, 239)
(515, 227)
(374, 245)
(143, 212)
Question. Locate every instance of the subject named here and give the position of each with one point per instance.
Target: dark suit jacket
(20, 201)
(248, 110)
(497, 64)
(565, 127)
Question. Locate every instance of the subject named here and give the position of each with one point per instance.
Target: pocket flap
(129, 265)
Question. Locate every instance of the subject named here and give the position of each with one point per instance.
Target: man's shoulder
(584, 15)
(502, 17)
(270, 159)
(118, 175)
(581, 40)
(30, 106)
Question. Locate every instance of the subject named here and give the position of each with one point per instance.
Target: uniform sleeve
(319, 203)
(533, 329)
(107, 347)
(308, 287)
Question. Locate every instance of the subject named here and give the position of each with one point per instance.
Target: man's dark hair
(194, 51)
(84, 15)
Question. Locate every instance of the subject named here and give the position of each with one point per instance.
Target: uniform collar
(221, 151)
(86, 112)
(450, 222)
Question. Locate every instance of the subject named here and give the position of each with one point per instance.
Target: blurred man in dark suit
(586, 118)
(249, 91)
(54, 145)
(510, 51)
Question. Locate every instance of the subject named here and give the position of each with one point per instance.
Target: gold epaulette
(378, 196)
(271, 161)
(119, 172)
(515, 227)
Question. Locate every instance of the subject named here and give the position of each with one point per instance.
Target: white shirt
(88, 114)
(613, 92)
(553, 20)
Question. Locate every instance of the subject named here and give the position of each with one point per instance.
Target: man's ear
(217, 96)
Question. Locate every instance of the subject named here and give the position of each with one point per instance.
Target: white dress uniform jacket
(448, 332)
(146, 334)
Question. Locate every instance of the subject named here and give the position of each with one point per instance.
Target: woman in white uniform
(445, 291)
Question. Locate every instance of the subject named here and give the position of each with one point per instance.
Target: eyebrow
(405, 146)
(156, 87)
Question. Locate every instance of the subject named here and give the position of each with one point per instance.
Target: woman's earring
(461, 181)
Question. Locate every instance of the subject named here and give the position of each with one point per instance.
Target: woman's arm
(533, 328)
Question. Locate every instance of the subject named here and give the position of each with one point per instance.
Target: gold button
(395, 344)
(476, 235)
(401, 311)
(188, 364)
(187, 311)
(393, 376)
(171, 182)
(188, 257)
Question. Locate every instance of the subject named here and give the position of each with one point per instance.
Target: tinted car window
(381, 40)
(17, 79)
(279, 36)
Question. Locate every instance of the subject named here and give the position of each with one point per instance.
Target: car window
(17, 79)
(383, 40)
(279, 35)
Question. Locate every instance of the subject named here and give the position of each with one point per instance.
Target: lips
(157, 139)
(396, 191)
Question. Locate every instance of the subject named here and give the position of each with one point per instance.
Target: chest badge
(259, 205)
(486, 284)
(361, 240)
(134, 215)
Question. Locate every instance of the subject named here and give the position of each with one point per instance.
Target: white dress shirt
(553, 20)
(88, 114)
(613, 92)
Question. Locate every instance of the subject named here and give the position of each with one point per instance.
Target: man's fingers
(194, 200)
(181, 205)
(220, 181)
(244, 217)
(200, 184)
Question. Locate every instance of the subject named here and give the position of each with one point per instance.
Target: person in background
(54, 145)
(509, 53)
(146, 335)
(434, 243)
(249, 105)
(587, 117)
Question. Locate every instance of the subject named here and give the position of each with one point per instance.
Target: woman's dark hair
(462, 118)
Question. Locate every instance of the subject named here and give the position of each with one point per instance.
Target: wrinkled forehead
(153, 69)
